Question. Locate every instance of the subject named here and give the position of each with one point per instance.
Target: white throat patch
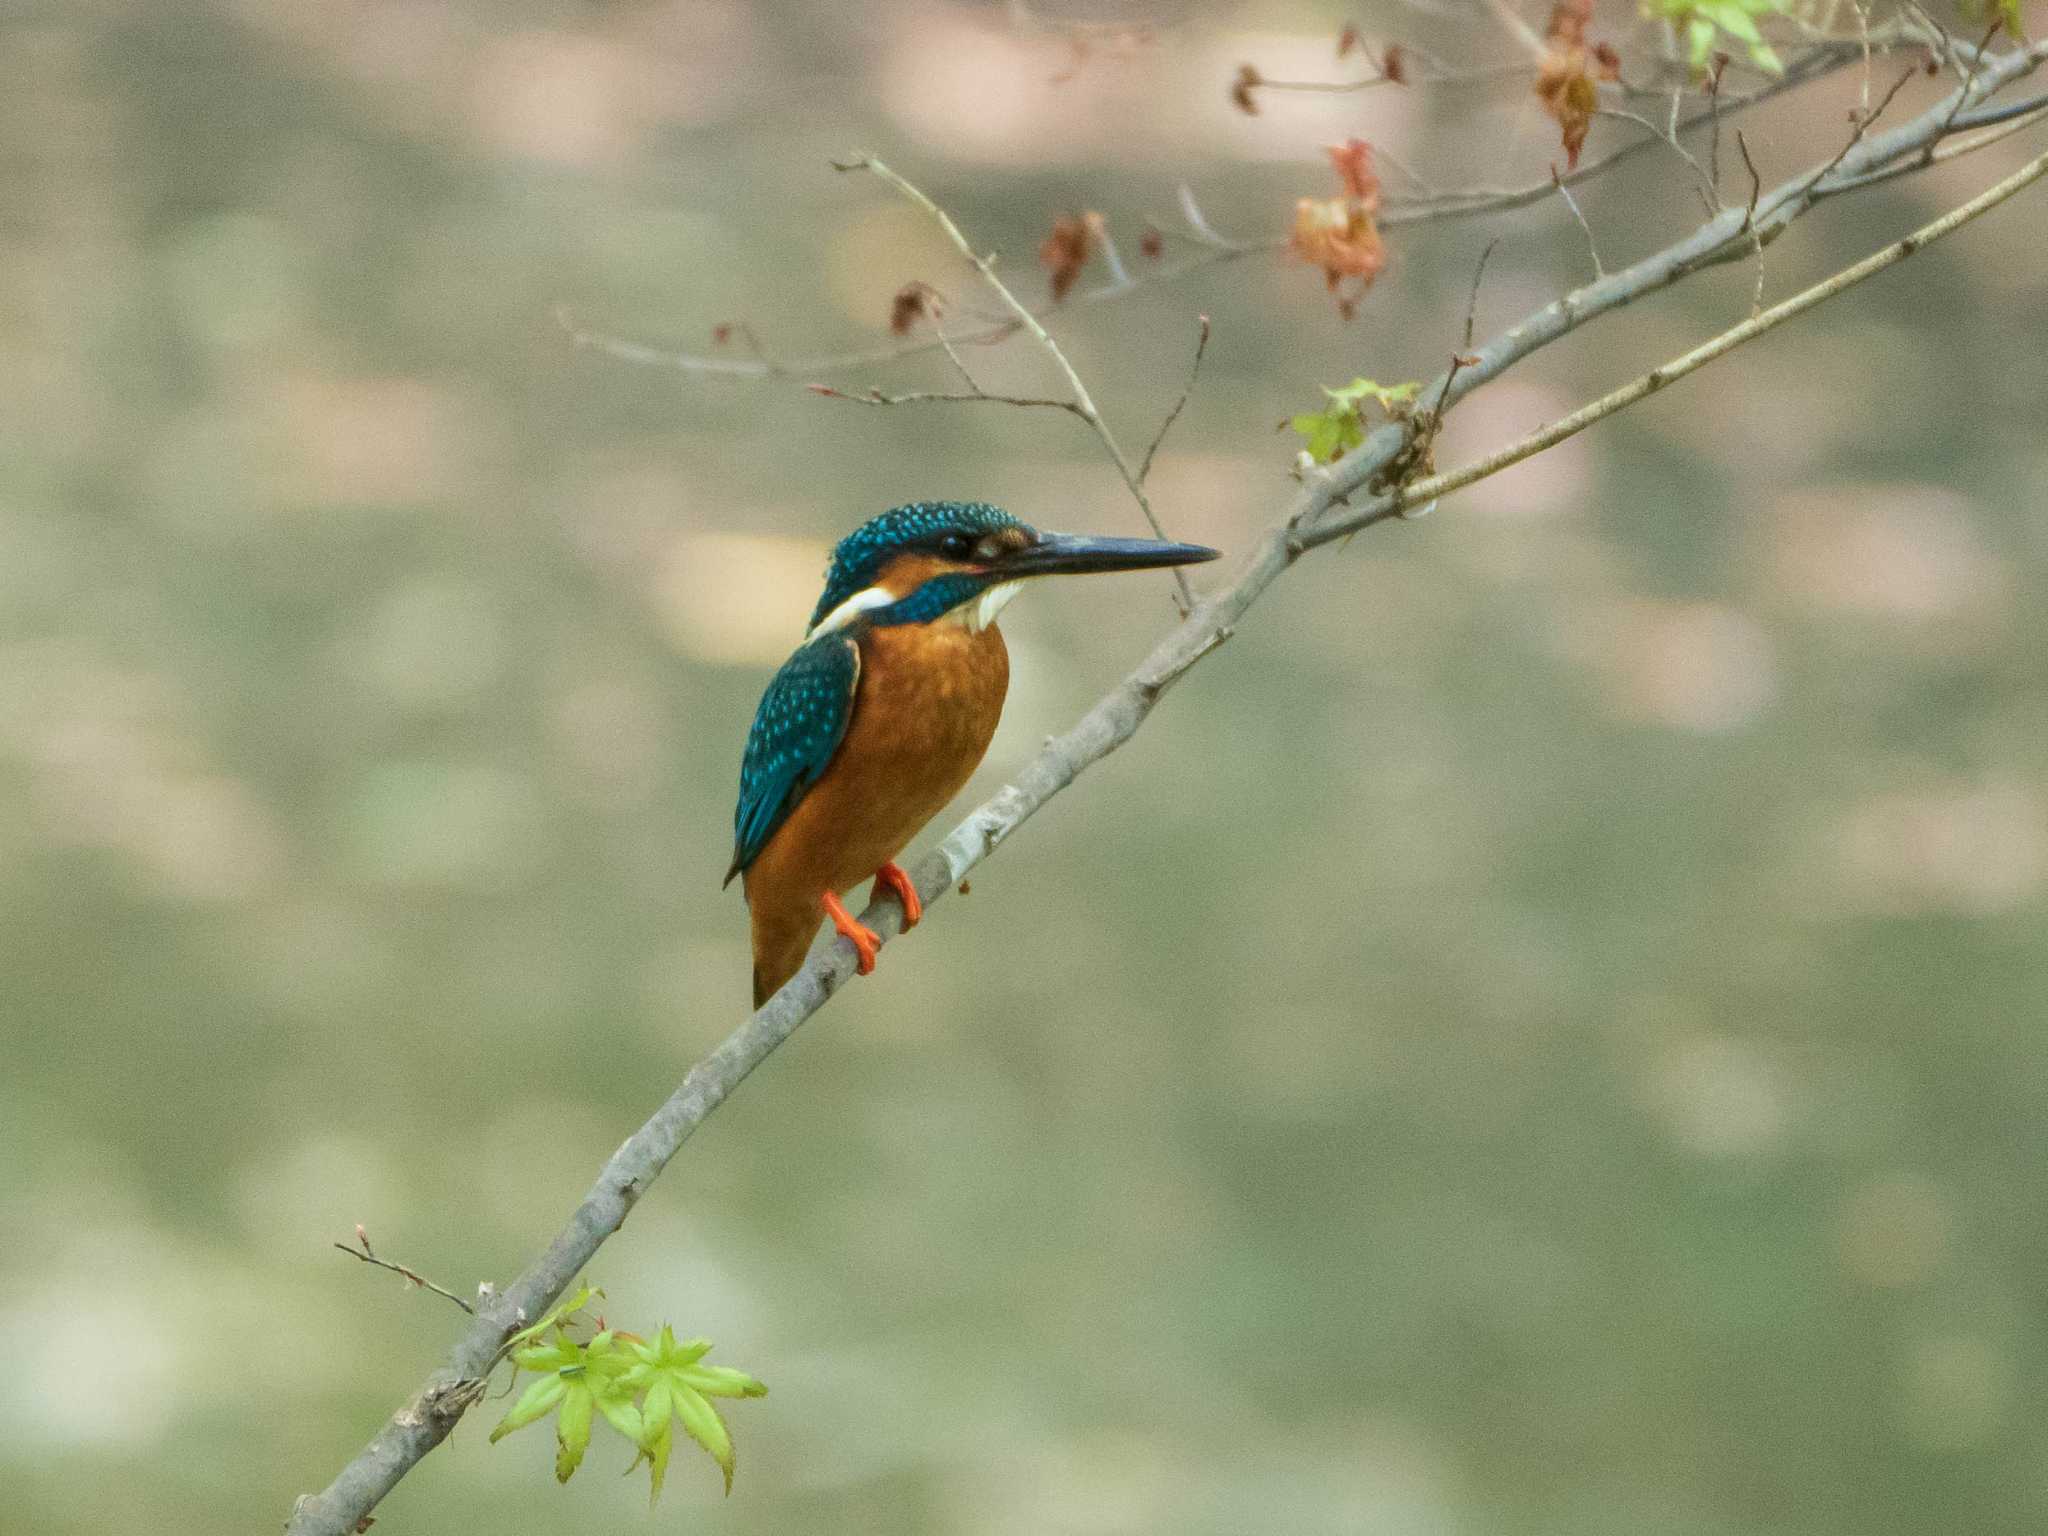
(980, 612)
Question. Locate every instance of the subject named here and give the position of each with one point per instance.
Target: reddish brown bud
(1248, 80)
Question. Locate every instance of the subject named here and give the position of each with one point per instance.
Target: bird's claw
(866, 942)
(892, 876)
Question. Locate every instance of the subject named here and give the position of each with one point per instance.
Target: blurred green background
(1541, 1034)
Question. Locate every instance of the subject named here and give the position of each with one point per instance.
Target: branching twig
(1218, 250)
(1969, 80)
(977, 396)
(1491, 75)
(1720, 239)
(1953, 150)
(1473, 202)
(1592, 245)
(1166, 426)
(1756, 189)
(1084, 403)
(363, 1251)
(1710, 197)
(1865, 121)
(1320, 513)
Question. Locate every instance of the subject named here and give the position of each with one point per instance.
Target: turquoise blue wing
(801, 721)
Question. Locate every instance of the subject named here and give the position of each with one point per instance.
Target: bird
(884, 711)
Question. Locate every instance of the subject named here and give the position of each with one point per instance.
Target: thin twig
(1423, 186)
(1118, 276)
(1756, 188)
(1491, 75)
(1709, 195)
(1166, 426)
(1472, 302)
(1516, 27)
(1970, 80)
(1191, 211)
(940, 397)
(1863, 34)
(1431, 421)
(1084, 402)
(363, 1251)
(763, 366)
(1865, 121)
(1565, 192)
(1714, 126)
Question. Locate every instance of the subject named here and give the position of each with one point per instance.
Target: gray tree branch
(1322, 511)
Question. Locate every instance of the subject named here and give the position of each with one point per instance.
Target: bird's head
(961, 561)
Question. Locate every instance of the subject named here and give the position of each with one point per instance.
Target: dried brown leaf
(1565, 87)
(1065, 251)
(1248, 80)
(912, 303)
(1338, 233)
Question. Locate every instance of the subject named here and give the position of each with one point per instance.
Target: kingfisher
(885, 710)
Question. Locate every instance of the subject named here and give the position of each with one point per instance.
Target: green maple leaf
(1329, 435)
(2007, 11)
(558, 1315)
(678, 1388)
(576, 1382)
(1702, 22)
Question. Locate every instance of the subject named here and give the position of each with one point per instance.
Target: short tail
(780, 943)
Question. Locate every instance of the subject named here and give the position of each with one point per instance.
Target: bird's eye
(955, 546)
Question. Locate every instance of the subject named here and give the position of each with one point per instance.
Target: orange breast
(924, 710)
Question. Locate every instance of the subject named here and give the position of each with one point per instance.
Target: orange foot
(891, 875)
(865, 940)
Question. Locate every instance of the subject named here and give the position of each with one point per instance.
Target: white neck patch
(856, 605)
(979, 612)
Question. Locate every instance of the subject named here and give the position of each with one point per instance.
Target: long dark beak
(1065, 554)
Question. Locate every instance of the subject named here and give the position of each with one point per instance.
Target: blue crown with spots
(859, 557)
